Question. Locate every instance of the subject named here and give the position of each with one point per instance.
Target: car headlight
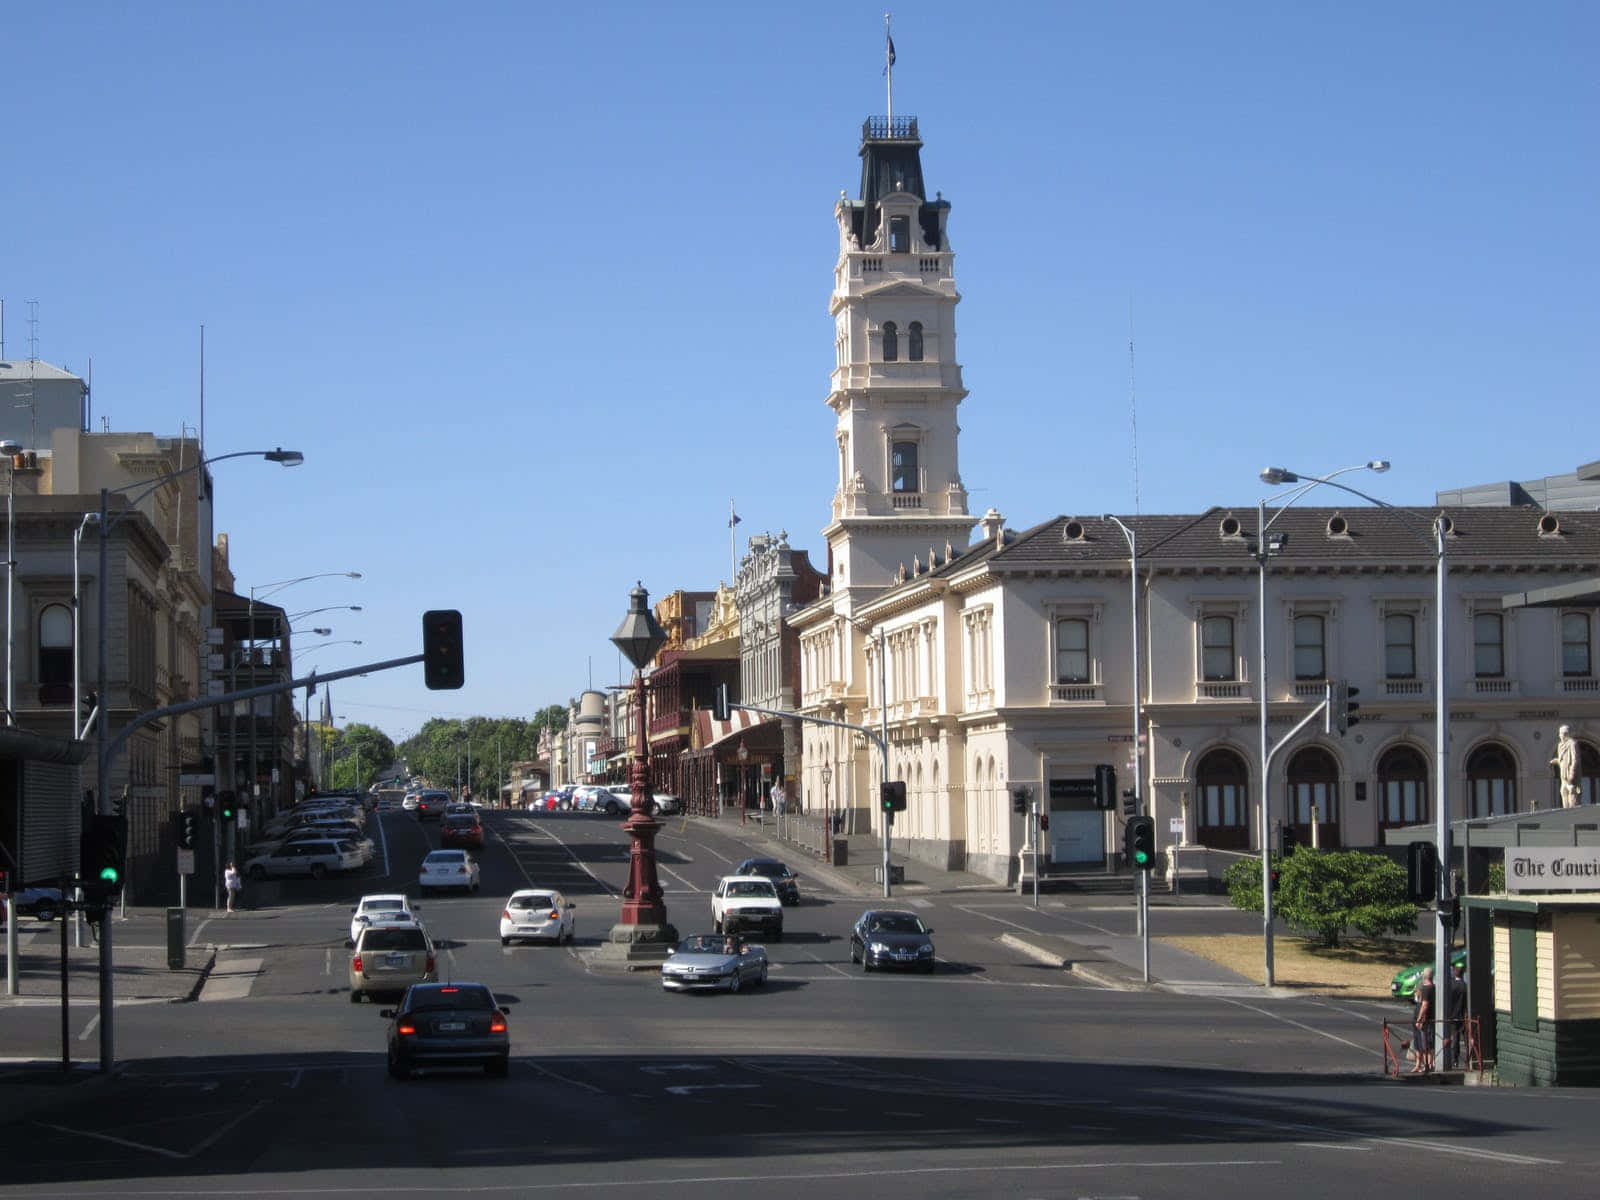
(924, 949)
(878, 948)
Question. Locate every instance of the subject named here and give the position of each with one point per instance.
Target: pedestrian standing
(1457, 1012)
(1422, 1039)
(232, 883)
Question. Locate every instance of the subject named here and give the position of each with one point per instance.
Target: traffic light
(1019, 800)
(720, 709)
(1343, 706)
(1288, 839)
(1422, 872)
(226, 804)
(1105, 786)
(1272, 877)
(893, 796)
(188, 823)
(100, 856)
(1130, 802)
(1044, 822)
(1139, 843)
(443, 664)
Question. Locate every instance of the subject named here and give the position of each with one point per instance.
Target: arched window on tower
(55, 644)
(899, 235)
(891, 342)
(914, 342)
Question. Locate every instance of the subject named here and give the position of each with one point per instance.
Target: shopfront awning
(708, 732)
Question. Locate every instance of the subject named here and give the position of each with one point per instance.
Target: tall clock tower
(896, 384)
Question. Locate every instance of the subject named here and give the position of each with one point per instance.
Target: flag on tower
(733, 517)
(890, 50)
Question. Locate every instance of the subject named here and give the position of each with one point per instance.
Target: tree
(340, 748)
(1324, 893)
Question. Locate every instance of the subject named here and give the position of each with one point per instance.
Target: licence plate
(397, 960)
(452, 1026)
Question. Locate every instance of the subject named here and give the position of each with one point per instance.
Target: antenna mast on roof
(33, 362)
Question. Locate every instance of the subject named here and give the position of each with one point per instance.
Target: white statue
(1566, 764)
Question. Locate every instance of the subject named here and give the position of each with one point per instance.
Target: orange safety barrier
(1465, 1046)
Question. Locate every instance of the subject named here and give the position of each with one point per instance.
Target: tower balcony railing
(890, 129)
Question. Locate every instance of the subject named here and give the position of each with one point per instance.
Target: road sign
(206, 779)
(185, 862)
(145, 791)
(1175, 827)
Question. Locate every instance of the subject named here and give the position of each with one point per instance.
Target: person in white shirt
(232, 882)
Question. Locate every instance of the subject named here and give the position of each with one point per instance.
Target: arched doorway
(1402, 789)
(1222, 791)
(1314, 792)
(1491, 781)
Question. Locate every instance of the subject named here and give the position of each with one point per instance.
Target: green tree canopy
(441, 749)
(1323, 893)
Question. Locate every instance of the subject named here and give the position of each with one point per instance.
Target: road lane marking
(686, 883)
(106, 1137)
(231, 979)
(89, 1028)
(609, 890)
(1332, 1037)
(589, 1087)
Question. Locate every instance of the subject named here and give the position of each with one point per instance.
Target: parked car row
(610, 799)
(320, 836)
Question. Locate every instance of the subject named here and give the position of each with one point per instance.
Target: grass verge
(1357, 969)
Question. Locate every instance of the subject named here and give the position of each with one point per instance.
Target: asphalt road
(995, 1076)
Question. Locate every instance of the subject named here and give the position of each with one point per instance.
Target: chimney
(991, 524)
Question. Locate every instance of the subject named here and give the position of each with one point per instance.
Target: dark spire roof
(891, 161)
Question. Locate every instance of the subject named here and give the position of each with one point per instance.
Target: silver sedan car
(713, 962)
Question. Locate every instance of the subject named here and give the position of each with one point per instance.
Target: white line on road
(589, 1087)
(194, 938)
(89, 1028)
(686, 883)
(116, 1141)
(1332, 1037)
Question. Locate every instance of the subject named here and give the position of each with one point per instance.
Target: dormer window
(891, 341)
(899, 235)
(907, 478)
(914, 342)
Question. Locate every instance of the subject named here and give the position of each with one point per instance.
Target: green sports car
(1404, 984)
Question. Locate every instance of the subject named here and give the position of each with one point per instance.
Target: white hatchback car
(448, 869)
(378, 909)
(538, 915)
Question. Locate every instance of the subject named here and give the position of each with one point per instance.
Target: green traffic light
(1140, 857)
(108, 875)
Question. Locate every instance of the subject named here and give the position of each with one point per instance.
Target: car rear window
(393, 939)
(474, 998)
(447, 856)
(460, 821)
(536, 901)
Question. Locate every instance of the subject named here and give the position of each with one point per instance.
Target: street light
(1439, 528)
(1266, 546)
(9, 448)
(827, 813)
(642, 931)
(1138, 750)
(287, 458)
(295, 616)
(320, 631)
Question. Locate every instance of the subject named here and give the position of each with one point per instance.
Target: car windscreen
(753, 887)
(706, 945)
(535, 901)
(473, 998)
(897, 923)
(772, 870)
(392, 939)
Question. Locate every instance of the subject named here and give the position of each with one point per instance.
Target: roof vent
(1338, 527)
(1549, 525)
(1072, 531)
(1229, 528)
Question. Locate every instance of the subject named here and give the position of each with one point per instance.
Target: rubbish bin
(841, 852)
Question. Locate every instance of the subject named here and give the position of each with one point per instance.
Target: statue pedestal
(636, 946)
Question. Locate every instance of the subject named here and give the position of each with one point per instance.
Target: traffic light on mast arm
(1105, 787)
(893, 796)
(443, 661)
(1342, 706)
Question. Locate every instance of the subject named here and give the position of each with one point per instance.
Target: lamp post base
(629, 944)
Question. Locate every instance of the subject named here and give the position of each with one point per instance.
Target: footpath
(1107, 960)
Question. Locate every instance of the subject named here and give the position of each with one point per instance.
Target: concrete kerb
(1080, 960)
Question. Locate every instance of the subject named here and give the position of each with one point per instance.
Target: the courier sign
(1544, 870)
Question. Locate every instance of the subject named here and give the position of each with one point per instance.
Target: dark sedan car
(461, 831)
(785, 880)
(891, 938)
(448, 1025)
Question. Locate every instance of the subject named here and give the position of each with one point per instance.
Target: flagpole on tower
(888, 68)
(733, 546)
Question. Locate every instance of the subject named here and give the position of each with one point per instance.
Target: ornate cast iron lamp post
(642, 931)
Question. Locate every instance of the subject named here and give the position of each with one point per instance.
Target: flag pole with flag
(888, 66)
(733, 545)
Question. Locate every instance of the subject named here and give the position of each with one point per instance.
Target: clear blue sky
(538, 288)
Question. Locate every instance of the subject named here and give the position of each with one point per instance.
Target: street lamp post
(1138, 736)
(1266, 546)
(288, 458)
(827, 814)
(1439, 530)
(7, 449)
(642, 932)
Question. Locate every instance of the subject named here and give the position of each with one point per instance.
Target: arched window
(907, 477)
(891, 342)
(1403, 788)
(914, 342)
(1222, 801)
(55, 644)
(899, 235)
(1314, 784)
(1310, 657)
(1491, 781)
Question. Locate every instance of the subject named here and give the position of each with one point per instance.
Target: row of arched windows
(891, 341)
(1223, 792)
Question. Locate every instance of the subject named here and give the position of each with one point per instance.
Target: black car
(42, 903)
(785, 880)
(883, 937)
(448, 1025)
